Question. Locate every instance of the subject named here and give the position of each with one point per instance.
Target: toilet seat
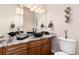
(61, 53)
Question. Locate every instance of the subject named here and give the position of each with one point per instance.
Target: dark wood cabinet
(18, 49)
(34, 48)
(1, 51)
(34, 51)
(42, 47)
(37, 47)
(46, 47)
(21, 52)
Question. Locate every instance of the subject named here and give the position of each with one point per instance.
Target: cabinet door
(45, 49)
(38, 50)
(34, 50)
(34, 47)
(1, 51)
(46, 46)
(19, 49)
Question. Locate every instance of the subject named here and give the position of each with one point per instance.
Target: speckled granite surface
(31, 38)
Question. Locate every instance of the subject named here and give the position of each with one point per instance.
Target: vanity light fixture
(19, 10)
(35, 8)
(29, 5)
(42, 10)
(38, 9)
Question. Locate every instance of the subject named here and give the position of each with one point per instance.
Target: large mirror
(11, 21)
(20, 18)
(7, 17)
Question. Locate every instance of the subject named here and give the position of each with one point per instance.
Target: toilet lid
(61, 53)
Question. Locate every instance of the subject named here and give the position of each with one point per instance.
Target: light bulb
(38, 9)
(21, 11)
(30, 6)
(42, 10)
(17, 10)
(33, 8)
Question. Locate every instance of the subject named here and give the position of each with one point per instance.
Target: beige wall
(57, 15)
(56, 12)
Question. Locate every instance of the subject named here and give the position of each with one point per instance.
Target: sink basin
(46, 32)
(29, 32)
(38, 34)
(22, 37)
(12, 34)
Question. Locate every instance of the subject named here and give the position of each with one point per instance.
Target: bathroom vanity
(40, 47)
(28, 22)
(34, 46)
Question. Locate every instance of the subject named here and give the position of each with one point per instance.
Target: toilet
(67, 46)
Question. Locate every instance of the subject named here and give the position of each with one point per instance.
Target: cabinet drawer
(15, 48)
(24, 45)
(1, 51)
(46, 40)
(34, 43)
(21, 52)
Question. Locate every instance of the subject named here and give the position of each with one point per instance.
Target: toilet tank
(68, 45)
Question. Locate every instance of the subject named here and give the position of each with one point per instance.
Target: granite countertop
(31, 38)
